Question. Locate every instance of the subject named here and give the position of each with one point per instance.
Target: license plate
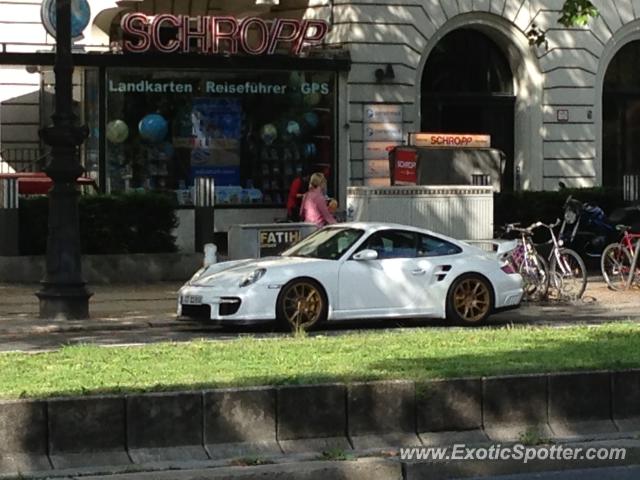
(192, 299)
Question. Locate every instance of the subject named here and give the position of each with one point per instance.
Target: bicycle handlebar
(514, 227)
(549, 226)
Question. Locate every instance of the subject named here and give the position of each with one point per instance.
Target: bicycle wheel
(616, 266)
(567, 269)
(535, 278)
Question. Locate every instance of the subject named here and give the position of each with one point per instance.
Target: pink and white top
(314, 208)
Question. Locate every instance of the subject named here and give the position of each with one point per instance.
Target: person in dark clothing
(297, 189)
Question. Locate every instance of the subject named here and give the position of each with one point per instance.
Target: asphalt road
(602, 473)
(140, 314)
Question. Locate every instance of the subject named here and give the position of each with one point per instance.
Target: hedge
(122, 223)
(143, 222)
(527, 207)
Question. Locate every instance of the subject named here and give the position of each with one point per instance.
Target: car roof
(374, 226)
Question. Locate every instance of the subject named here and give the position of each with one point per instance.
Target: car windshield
(327, 243)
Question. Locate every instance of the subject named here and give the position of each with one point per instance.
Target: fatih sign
(251, 35)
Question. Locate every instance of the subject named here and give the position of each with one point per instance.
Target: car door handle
(418, 271)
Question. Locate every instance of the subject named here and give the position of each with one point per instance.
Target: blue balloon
(153, 128)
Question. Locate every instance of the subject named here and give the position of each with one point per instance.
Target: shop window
(467, 61)
(467, 87)
(253, 132)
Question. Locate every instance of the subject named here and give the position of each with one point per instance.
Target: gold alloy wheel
(472, 300)
(302, 305)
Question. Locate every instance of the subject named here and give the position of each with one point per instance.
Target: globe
(293, 128)
(80, 17)
(269, 133)
(311, 119)
(153, 128)
(312, 99)
(295, 80)
(117, 131)
(167, 150)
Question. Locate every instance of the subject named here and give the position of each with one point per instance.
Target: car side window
(429, 246)
(392, 244)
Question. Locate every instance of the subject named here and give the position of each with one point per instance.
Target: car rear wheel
(470, 300)
(301, 305)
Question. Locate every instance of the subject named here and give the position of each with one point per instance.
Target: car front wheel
(301, 305)
(469, 300)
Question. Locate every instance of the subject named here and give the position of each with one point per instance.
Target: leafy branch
(575, 13)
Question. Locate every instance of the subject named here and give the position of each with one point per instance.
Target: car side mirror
(367, 254)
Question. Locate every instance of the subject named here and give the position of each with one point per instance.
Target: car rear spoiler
(496, 246)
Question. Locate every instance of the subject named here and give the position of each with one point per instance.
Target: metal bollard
(210, 254)
(9, 216)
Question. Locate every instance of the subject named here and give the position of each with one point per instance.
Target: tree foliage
(575, 13)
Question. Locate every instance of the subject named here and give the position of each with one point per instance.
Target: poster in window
(217, 129)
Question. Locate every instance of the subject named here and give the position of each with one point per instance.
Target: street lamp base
(69, 302)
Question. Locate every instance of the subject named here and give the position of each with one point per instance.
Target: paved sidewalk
(112, 307)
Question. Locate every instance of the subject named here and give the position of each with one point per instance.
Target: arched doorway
(468, 87)
(621, 116)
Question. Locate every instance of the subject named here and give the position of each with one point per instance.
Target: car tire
(469, 300)
(301, 305)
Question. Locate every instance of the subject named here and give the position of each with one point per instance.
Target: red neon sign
(250, 35)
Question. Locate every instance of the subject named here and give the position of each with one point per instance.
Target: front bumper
(241, 306)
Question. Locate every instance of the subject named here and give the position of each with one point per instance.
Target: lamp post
(63, 294)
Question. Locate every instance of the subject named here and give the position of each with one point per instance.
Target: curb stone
(382, 414)
(312, 418)
(166, 430)
(580, 404)
(515, 406)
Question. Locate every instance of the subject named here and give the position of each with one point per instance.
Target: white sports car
(356, 271)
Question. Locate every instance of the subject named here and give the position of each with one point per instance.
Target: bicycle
(532, 266)
(567, 269)
(617, 257)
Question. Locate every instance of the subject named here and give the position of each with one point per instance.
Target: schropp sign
(405, 167)
(454, 140)
(224, 34)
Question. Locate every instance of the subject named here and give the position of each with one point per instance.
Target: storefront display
(252, 131)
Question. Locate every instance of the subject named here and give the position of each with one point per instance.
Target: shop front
(247, 102)
(170, 112)
(249, 93)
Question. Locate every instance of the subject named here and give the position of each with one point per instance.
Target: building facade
(253, 106)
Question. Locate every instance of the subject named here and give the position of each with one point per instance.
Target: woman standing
(314, 207)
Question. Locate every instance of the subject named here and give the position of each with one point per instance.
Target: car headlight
(253, 277)
(570, 216)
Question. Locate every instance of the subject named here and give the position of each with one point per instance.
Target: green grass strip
(412, 354)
